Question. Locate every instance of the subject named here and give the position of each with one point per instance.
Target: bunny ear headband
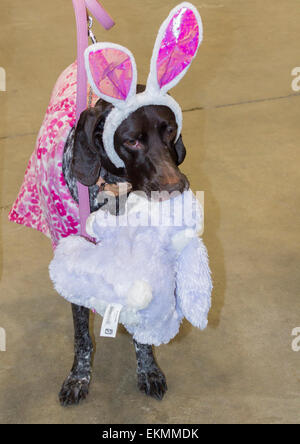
(112, 72)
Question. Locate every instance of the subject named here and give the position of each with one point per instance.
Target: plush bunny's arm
(101, 224)
(193, 283)
(181, 239)
(90, 224)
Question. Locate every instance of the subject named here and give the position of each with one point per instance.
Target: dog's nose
(171, 178)
(180, 183)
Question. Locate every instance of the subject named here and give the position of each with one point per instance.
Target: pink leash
(80, 7)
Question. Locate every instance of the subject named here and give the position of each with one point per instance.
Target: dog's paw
(153, 383)
(73, 390)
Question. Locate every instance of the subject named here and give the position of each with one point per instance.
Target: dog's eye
(133, 143)
(170, 130)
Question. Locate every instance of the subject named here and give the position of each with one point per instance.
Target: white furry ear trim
(118, 115)
(112, 73)
(182, 239)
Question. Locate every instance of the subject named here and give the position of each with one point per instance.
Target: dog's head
(145, 141)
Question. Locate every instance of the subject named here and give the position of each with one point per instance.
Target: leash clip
(90, 32)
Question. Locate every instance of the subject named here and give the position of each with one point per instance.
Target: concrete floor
(241, 127)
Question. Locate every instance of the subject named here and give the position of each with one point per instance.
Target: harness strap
(80, 7)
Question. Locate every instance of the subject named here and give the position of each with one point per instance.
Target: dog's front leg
(151, 379)
(76, 385)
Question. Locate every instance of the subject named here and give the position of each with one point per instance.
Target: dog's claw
(153, 383)
(73, 390)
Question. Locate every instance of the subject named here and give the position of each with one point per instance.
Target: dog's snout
(181, 185)
(171, 178)
(169, 175)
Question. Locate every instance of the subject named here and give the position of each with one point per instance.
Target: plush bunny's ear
(111, 71)
(176, 46)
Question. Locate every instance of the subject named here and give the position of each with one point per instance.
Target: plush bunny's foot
(152, 382)
(73, 390)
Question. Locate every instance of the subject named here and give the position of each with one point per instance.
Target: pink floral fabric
(44, 201)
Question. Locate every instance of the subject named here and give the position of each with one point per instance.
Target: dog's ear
(180, 151)
(86, 158)
(89, 154)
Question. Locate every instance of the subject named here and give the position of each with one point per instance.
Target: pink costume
(44, 201)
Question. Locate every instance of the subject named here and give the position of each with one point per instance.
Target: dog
(124, 137)
(145, 141)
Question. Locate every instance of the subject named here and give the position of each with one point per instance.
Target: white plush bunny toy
(150, 259)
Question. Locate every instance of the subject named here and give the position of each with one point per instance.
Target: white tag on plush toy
(110, 320)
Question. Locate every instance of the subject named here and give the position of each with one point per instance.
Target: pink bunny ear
(111, 71)
(176, 46)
